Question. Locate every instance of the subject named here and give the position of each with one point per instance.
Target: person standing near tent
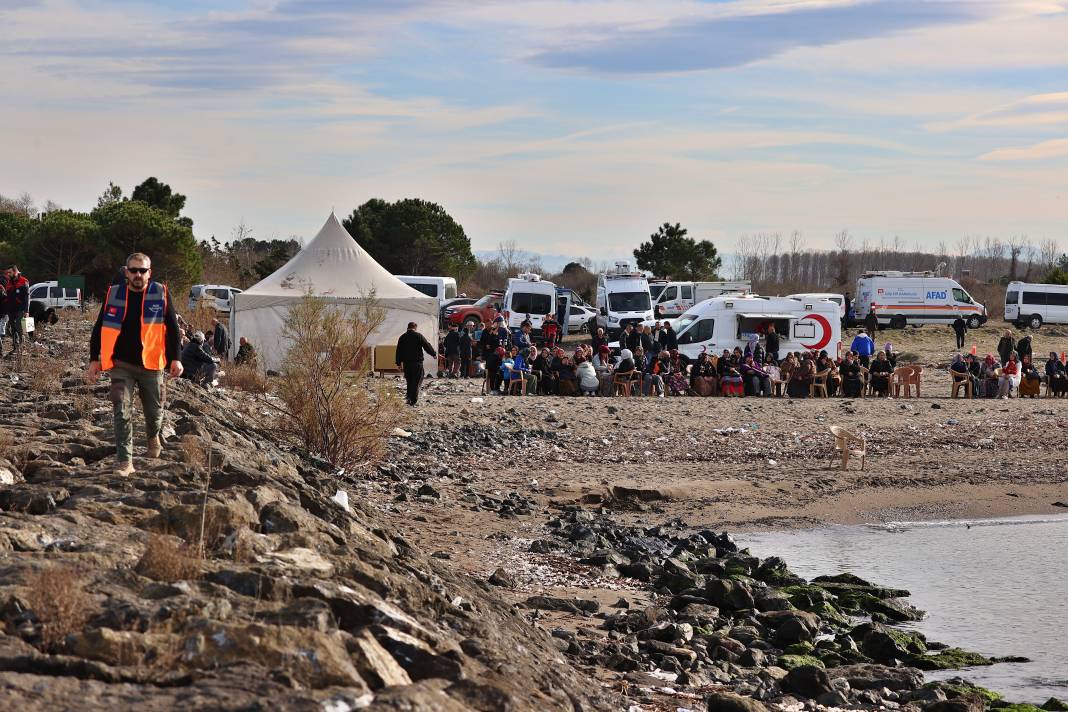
(135, 337)
(410, 348)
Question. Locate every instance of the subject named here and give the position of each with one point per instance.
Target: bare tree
(509, 254)
(1016, 245)
(1048, 253)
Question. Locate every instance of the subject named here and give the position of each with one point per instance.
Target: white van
(727, 322)
(441, 288)
(52, 296)
(1030, 304)
(528, 296)
(677, 297)
(900, 298)
(838, 299)
(217, 296)
(622, 298)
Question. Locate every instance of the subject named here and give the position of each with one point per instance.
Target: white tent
(335, 267)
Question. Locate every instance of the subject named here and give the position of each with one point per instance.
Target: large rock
(965, 703)
(729, 595)
(730, 702)
(314, 658)
(876, 677)
(807, 681)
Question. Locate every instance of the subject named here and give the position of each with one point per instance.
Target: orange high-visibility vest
(153, 328)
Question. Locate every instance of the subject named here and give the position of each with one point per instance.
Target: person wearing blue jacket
(864, 347)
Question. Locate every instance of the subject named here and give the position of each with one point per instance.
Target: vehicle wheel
(973, 322)
(585, 328)
(897, 322)
(1035, 322)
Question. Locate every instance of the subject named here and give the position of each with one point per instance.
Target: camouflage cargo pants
(124, 377)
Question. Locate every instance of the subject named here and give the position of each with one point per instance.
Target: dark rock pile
(725, 617)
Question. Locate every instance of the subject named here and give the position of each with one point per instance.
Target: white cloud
(1035, 110)
(1054, 148)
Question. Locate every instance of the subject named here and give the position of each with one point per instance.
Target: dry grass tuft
(58, 598)
(327, 404)
(246, 378)
(168, 558)
(194, 451)
(83, 402)
(47, 376)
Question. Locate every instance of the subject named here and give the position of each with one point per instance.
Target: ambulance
(902, 298)
(622, 298)
(729, 321)
(677, 297)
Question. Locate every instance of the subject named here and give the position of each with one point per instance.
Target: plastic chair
(961, 381)
(512, 382)
(819, 383)
(623, 383)
(902, 380)
(843, 440)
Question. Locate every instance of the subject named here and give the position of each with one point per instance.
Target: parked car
(52, 296)
(578, 320)
(485, 309)
(218, 296)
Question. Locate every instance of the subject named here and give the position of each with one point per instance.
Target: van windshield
(431, 290)
(531, 303)
(1012, 297)
(628, 301)
(655, 290)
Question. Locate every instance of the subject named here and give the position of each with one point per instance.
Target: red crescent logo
(825, 325)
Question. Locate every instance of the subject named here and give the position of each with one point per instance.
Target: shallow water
(996, 586)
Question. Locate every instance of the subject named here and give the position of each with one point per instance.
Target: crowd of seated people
(1009, 373)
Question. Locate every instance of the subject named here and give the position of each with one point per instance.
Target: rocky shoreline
(241, 580)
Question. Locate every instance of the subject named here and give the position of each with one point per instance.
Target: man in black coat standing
(410, 348)
(960, 328)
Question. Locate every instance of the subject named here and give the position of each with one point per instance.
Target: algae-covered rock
(950, 659)
(792, 661)
(1055, 705)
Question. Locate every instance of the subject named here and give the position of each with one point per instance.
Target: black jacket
(634, 340)
(451, 345)
(489, 341)
(465, 344)
(410, 348)
(771, 342)
(1023, 348)
(960, 326)
(668, 339)
(1005, 348)
(193, 358)
(220, 340)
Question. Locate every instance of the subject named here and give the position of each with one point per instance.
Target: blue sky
(569, 127)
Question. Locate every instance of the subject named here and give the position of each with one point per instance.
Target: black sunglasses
(138, 270)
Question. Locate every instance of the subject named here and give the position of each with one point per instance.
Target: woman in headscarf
(587, 377)
(655, 373)
(1030, 378)
(703, 375)
(990, 376)
(677, 382)
(1006, 346)
(730, 377)
(1010, 377)
(891, 355)
(1056, 375)
(852, 376)
(881, 370)
(626, 366)
(603, 364)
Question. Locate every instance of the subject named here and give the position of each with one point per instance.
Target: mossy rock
(806, 597)
(1055, 705)
(965, 688)
(802, 648)
(830, 614)
(789, 662)
(950, 659)
(1019, 707)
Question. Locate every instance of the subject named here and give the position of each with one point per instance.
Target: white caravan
(726, 322)
(1029, 304)
(441, 288)
(528, 297)
(677, 297)
(830, 296)
(900, 298)
(622, 298)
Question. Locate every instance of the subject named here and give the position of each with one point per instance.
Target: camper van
(677, 297)
(830, 296)
(528, 296)
(726, 322)
(441, 288)
(901, 298)
(1033, 305)
(622, 298)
